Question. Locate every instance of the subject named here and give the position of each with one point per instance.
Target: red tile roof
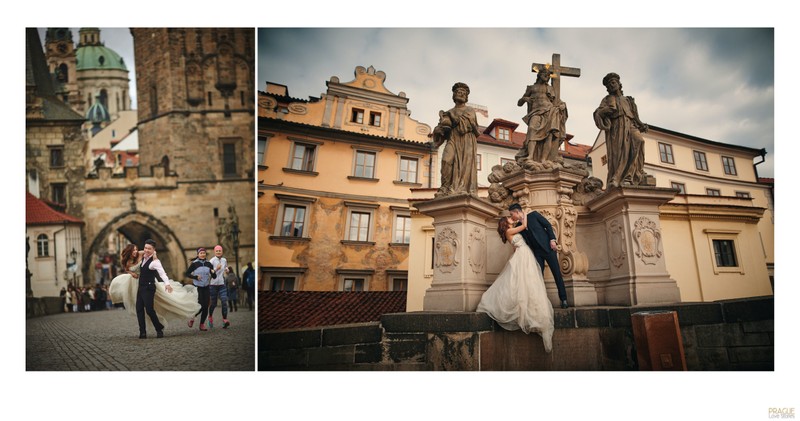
(298, 309)
(38, 213)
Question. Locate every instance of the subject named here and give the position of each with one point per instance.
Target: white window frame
(263, 142)
(46, 243)
(305, 143)
(398, 212)
(743, 195)
(709, 190)
(393, 275)
(679, 186)
(406, 156)
(358, 207)
(730, 235)
(291, 200)
(268, 273)
(363, 274)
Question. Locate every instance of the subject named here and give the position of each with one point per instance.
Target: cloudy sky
(717, 84)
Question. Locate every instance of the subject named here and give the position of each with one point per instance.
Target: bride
(179, 305)
(518, 299)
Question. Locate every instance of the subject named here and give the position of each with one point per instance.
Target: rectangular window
(42, 246)
(725, 253)
(56, 157)
(503, 134)
(713, 192)
(700, 161)
(402, 229)
(478, 161)
(728, 165)
(359, 226)
(282, 284)
(680, 187)
(604, 159)
(375, 119)
(400, 284)
(262, 148)
(229, 159)
(58, 193)
(408, 169)
(743, 194)
(666, 153)
(353, 284)
(293, 221)
(357, 116)
(365, 164)
(303, 157)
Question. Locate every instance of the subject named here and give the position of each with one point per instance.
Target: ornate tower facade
(195, 93)
(63, 64)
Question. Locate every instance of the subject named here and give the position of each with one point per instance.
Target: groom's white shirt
(156, 265)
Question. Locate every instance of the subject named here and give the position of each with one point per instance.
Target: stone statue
(618, 117)
(588, 189)
(546, 120)
(459, 128)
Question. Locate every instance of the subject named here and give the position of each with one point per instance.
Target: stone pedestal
(549, 193)
(460, 253)
(637, 272)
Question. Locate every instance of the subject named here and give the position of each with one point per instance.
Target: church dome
(97, 113)
(99, 57)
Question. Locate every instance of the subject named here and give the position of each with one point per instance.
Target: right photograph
(515, 199)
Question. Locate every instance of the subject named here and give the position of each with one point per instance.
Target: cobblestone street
(109, 340)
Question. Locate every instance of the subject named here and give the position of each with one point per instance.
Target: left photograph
(140, 199)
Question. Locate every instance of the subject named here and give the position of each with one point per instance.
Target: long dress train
(518, 298)
(179, 305)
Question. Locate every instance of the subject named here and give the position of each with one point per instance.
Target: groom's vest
(147, 276)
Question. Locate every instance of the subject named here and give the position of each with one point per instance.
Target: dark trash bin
(659, 346)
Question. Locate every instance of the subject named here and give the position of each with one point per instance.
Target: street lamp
(235, 239)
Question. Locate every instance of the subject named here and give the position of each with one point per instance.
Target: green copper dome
(99, 57)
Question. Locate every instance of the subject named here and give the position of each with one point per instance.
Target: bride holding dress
(518, 299)
(179, 305)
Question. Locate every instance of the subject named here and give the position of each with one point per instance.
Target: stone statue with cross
(546, 116)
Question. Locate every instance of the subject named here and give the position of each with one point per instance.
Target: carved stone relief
(648, 240)
(298, 109)
(446, 250)
(477, 250)
(616, 239)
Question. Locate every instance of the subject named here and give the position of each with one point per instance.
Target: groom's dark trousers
(538, 236)
(145, 297)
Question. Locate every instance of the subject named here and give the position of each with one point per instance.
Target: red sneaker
(203, 327)
(210, 323)
(226, 323)
(191, 322)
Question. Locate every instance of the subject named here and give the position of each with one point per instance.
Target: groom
(542, 241)
(147, 289)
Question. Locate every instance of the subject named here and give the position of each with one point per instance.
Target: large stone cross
(556, 71)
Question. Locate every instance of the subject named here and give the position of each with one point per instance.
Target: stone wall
(724, 335)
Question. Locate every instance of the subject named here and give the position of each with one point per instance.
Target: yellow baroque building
(334, 178)
(719, 230)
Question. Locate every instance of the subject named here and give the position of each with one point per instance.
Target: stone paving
(109, 340)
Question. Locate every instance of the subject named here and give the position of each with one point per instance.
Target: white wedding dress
(518, 298)
(179, 305)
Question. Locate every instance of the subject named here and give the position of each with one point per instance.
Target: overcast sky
(717, 84)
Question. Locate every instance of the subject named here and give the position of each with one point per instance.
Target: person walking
(233, 288)
(249, 284)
